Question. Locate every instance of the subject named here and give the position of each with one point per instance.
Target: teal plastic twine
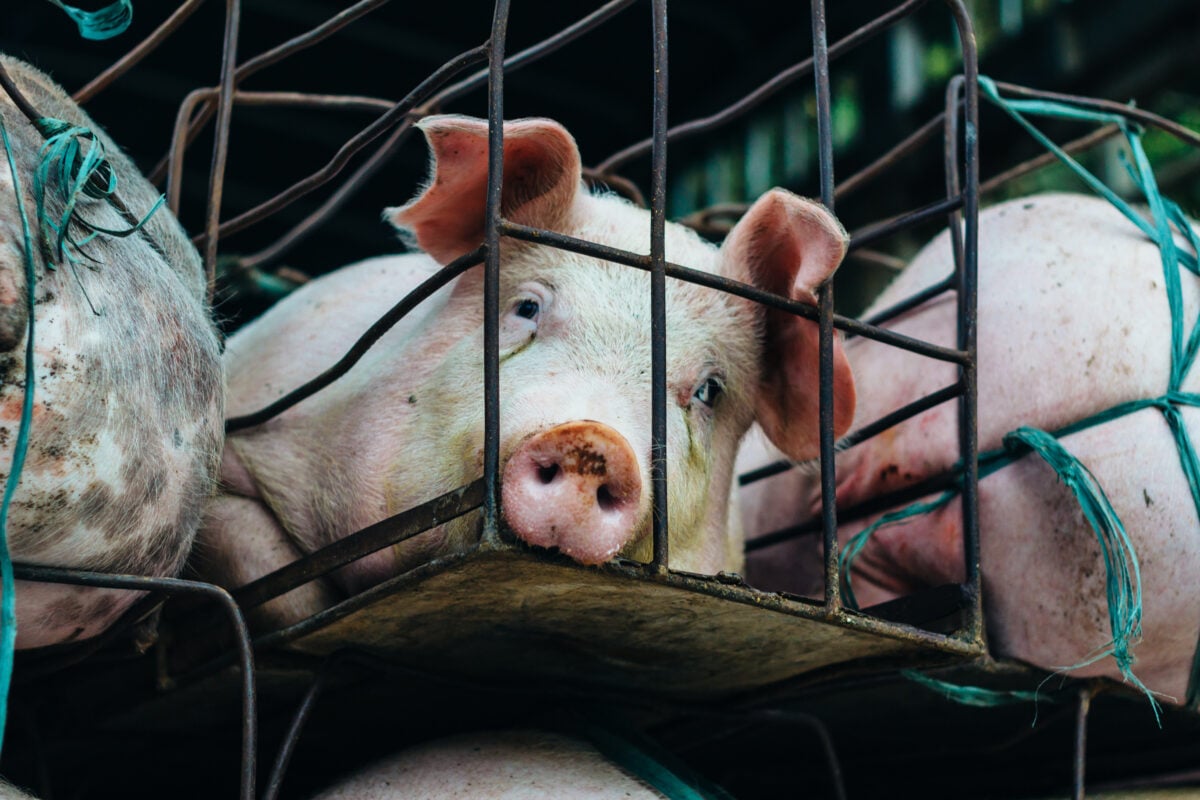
(103, 23)
(974, 695)
(8, 598)
(1124, 583)
(645, 760)
(1123, 579)
(72, 162)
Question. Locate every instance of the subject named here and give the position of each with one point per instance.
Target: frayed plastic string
(103, 23)
(72, 162)
(975, 695)
(1124, 580)
(8, 598)
(860, 539)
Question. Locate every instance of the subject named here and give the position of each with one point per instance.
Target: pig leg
(240, 542)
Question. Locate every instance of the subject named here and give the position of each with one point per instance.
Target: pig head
(407, 423)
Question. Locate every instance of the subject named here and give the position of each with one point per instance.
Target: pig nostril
(547, 474)
(605, 499)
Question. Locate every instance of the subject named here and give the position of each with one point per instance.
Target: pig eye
(527, 308)
(709, 391)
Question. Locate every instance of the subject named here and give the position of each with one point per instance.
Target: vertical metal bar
(967, 316)
(954, 91)
(833, 591)
(216, 180)
(1082, 707)
(658, 288)
(299, 719)
(491, 279)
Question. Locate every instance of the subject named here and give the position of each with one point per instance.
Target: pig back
(1073, 319)
(128, 417)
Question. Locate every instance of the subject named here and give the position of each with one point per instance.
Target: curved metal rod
(347, 190)
(216, 174)
(74, 577)
(143, 49)
(357, 142)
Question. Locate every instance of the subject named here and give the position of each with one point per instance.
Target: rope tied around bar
(1123, 578)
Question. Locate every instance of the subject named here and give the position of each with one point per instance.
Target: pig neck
(319, 466)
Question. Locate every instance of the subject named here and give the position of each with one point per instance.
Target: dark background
(600, 88)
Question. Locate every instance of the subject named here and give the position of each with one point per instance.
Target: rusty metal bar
(888, 159)
(1180, 132)
(967, 323)
(384, 533)
(216, 176)
(765, 91)
(882, 230)
(356, 143)
(272, 56)
(1046, 159)
(74, 577)
(491, 279)
(820, 46)
(912, 302)
(1079, 762)
(134, 56)
(191, 128)
(658, 290)
(847, 324)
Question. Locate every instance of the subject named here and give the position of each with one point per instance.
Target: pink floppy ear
(790, 246)
(541, 179)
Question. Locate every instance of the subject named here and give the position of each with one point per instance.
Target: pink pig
(1073, 320)
(516, 764)
(406, 424)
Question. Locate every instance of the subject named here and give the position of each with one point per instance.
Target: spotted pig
(127, 422)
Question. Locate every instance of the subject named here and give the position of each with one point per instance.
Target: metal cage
(197, 660)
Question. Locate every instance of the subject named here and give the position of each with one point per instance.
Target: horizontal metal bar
(883, 502)
(375, 537)
(912, 301)
(800, 309)
(766, 90)
(886, 228)
(864, 433)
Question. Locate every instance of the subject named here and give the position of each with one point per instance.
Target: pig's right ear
(542, 177)
(790, 246)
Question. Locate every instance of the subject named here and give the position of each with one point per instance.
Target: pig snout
(577, 487)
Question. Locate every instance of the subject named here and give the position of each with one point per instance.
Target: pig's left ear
(790, 246)
(541, 180)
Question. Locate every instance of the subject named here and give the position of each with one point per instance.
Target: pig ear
(790, 246)
(541, 180)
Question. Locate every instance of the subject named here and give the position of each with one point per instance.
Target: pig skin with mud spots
(1073, 320)
(406, 423)
(128, 421)
(500, 765)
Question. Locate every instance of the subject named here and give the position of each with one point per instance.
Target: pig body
(525, 764)
(1073, 320)
(406, 424)
(127, 422)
